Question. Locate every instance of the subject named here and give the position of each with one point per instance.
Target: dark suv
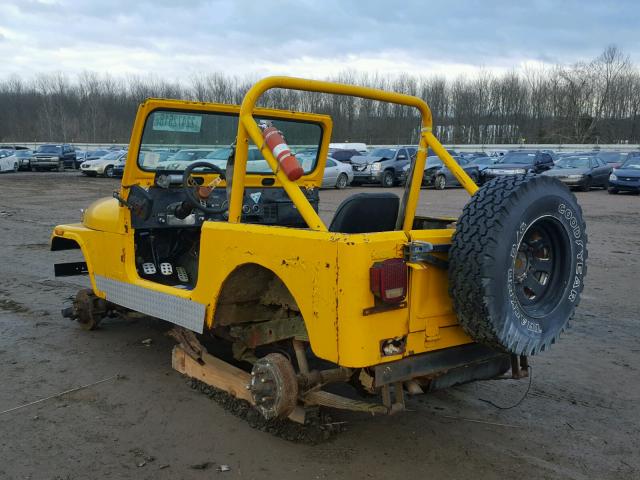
(53, 157)
(381, 165)
(519, 162)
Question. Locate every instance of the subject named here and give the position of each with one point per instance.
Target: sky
(176, 39)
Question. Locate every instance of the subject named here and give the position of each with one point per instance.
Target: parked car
(13, 147)
(483, 162)
(361, 148)
(8, 162)
(472, 155)
(627, 177)
(95, 154)
(53, 157)
(182, 158)
(581, 171)
(431, 167)
(614, 159)
(519, 162)
(444, 178)
(381, 165)
(161, 154)
(343, 154)
(554, 156)
(105, 165)
(23, 157)
(337, 174)
(118, 169)
(81, 156)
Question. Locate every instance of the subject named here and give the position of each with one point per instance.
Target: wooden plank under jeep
(215, 229)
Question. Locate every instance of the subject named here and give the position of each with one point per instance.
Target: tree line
(587, 102)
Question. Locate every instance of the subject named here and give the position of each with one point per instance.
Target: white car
(183, 158)
(337, 174)
(8, 162)
(103, 166)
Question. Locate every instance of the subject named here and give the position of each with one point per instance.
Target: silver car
(337, 174)
(103, 166)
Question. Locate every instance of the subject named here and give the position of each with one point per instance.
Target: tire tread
(470, 278)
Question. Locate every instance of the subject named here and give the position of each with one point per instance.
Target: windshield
(190, 155)
(208, 136)
(573, 162)
(633, 162)
(111, 156)
(97, 153)
(383, 152)
(612, 157)
(49, 149)
(23, 153)
(433, 162)
(518, 157)
(483, 161)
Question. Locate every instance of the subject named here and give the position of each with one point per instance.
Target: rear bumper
(433, 364)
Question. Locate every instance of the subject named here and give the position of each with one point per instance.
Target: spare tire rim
(541, 266)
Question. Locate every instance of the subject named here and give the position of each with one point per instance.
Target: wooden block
(221, 375)
(214, 372)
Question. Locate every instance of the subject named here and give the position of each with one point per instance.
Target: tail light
(389, 280)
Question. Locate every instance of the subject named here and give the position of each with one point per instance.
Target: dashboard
(263, 205)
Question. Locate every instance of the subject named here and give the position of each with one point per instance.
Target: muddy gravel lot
(580, 420)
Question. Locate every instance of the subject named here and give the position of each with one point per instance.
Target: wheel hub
(521, 265)
(89, 309)
(537, 266)
(274, 386)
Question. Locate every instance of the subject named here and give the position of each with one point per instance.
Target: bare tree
(584, 102)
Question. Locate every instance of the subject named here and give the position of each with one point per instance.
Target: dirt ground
(579, 421)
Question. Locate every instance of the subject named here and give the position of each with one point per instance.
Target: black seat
(366, 213)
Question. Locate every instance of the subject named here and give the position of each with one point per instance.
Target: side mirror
(401, 157)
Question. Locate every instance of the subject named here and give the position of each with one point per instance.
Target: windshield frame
(259, 115)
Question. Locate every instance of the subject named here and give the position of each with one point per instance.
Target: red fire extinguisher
(278, 146)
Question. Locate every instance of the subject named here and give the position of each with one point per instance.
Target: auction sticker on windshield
(177, 122)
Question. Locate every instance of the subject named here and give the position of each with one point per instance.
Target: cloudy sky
(312, 38)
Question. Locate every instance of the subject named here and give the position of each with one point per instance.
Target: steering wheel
(193, 196)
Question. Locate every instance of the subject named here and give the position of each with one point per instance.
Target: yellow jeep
(210, 231)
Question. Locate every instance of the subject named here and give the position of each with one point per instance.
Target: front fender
(105, 215)
(76, 236)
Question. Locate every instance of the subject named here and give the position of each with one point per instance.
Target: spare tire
(517, 263)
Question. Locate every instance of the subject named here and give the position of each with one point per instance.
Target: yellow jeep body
(327, 274)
